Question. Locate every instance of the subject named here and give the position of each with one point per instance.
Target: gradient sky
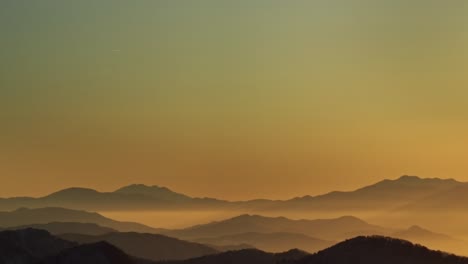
(232, 99)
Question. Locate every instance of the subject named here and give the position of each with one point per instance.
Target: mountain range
(330, 229)
(273, 234)
(359, 250)
(31, 246)
(270, 242)
(148, 246)
(31, 217)
(384, 195)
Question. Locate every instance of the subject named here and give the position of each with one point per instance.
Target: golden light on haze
(253, 99)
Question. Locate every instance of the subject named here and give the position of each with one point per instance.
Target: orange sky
(237, 100)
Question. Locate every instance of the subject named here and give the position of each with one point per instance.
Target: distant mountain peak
(140, 186)
(409, 178)
(152, 191)
(416, 228)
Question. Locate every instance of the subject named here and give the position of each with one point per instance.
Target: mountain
(415, 233)
(132, 197)
(384, 195)
(270, 242)
(28, 246)
(57, 228)
(430, 239)
(97, 253)
(454, 199)
(147, 246)
(24, 216)
(231, 247)
(246, 256)
(330, 229)
(382, 250)
(157, 192)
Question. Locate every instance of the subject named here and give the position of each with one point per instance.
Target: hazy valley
(245, 229)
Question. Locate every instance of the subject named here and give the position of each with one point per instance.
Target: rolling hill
(28, 246)
(147, 246)
(329, 229)
(246, 256)
(97, 253)
(382, 250)
(24, 216)
(270, 242)
(57, 228)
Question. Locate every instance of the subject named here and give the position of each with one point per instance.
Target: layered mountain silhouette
(359, 250)
(24, 217)
(454, 199)
(57, 228)
(147, 246)
(97, 253)
(271, 242)
(431, 239)
(29, 246)
(382, 250)
(415, 233)
(328, 229)
(247, 256)
(133, 197)
(384, 195)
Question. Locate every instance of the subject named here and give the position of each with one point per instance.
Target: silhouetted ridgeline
(246, 256)
(381, 250)
(97, 253)
(359, 250)
(24, 216)
(31, 246)
(384, 195)
(57, 228)
(148, 246)
(325, 229)
(271, 242)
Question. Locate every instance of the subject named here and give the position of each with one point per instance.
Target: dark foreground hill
(97, 253)
(246, 256)
(359, 250)
(147, 246)
(271, 242)
(29, 246)
(381, 250)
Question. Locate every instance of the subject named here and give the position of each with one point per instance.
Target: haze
(230, 99)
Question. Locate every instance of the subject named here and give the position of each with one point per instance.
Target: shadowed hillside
(98, 253)
(57, 228)
(271, 242)
(147, 246)
(430, 239)
(26, 216)
(246, 256)
(330, 229)
(27, 246)
(384, 195)
(382, 250)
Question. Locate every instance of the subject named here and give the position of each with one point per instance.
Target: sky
(231, 99)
